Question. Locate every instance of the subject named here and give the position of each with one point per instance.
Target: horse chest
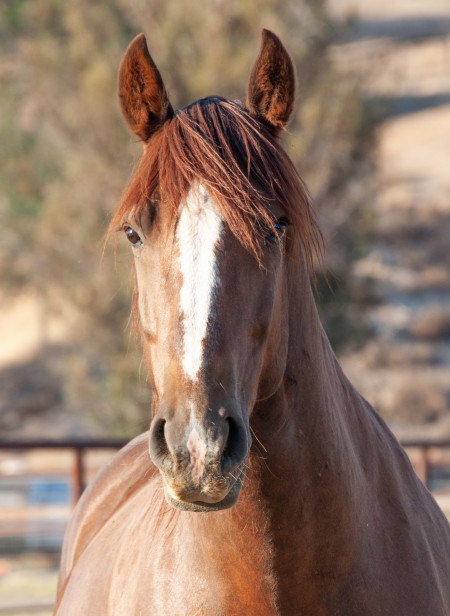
(161, 561)
(203, 568)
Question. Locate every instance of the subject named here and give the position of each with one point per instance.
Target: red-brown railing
(422, 458)
(79, 449)
(422, 461)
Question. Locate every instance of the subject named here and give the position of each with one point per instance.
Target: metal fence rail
(79, 449)
(423, 463)
(427, 458)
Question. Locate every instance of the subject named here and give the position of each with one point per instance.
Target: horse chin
(200, 506)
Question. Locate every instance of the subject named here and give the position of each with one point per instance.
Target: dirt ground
(28, 580)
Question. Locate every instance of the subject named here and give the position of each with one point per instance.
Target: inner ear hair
(142, 94)
(271, 88)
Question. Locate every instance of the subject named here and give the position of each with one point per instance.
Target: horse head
(211, 215)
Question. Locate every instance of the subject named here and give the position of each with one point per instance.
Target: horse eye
(280, 226)
(132, 236)
(279, 230)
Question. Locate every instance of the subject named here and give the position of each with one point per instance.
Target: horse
(266, 485)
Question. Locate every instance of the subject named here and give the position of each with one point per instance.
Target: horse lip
(199, 500)
(190, 495)
(202, 506)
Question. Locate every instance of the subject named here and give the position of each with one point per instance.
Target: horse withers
(266, 484)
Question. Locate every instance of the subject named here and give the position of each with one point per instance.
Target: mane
(218, 143)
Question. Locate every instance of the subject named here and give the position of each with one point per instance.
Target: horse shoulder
(115, 483)
(408, 535)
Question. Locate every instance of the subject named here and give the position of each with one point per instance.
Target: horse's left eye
(133, 236)
(279, 229)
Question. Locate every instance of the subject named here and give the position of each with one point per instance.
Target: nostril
(158, 443)
(235, 447)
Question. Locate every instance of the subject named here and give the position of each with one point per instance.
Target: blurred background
(370, 135)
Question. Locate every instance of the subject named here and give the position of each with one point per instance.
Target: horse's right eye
(133, 236)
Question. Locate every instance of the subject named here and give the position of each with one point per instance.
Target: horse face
(211, 317)
(211, 314)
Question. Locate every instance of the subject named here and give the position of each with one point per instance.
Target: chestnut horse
(272, 487)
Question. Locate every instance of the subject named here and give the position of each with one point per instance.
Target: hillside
(402, 49)
(369, 135)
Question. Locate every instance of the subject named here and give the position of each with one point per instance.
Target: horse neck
(312, 433)
(324, 457)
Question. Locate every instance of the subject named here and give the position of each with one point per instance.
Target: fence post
(78, 474)
(423, 465)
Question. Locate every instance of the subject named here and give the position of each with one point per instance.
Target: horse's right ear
(142, 95)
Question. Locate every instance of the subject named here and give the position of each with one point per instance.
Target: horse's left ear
(271, 88)
(142, 94)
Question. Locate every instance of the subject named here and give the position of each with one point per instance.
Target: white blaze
(198, 233)
(197, 450)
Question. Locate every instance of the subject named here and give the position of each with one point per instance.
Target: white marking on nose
(198, 233)
(197, 450)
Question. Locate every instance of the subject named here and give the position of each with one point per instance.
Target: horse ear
(142, 95)
(271, 88)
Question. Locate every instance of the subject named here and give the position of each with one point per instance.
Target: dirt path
(402, 48)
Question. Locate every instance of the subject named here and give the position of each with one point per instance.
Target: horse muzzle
(216, 494)
(202, 468)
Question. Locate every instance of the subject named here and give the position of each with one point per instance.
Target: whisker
(256, 437)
